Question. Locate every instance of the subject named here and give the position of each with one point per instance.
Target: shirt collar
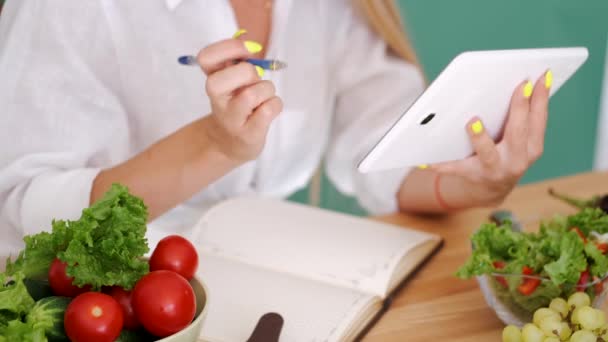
(172, 4)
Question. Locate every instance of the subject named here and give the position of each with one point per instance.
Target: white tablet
(476, 83)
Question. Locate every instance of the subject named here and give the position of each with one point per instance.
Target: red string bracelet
(438, 196)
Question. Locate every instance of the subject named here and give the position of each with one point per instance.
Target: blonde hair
(384, 18)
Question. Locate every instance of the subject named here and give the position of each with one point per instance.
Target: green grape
(589, 318)
(551, 339)
(574, 318)
(551, 326)
(543, 313)
(531, 333)
(511, 333)
(565, 332)
(560, 306)
(583, 336)
(579, 299)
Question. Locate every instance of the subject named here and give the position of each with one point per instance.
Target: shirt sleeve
(372, 89)
(60, 114)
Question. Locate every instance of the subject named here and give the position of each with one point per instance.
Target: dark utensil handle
(268, 328)
(500, 216)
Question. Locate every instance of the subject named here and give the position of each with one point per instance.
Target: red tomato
(164, 302)
(123, 298)
(177, 254)
(583, 280)
(499, 264)
(93, 317)
(603, 247)
(527, 270)
(61, 283)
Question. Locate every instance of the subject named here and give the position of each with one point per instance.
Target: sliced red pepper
(578, 231)
(499, 264)
(582, 281)
(501, 280)
(599, 286)
(603, 247)
(528, 286)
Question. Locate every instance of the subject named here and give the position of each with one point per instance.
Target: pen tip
(277, 65)
(185, 60)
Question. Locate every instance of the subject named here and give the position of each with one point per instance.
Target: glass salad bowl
(502, 293)
(515, 297)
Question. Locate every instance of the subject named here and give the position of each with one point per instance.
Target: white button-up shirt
(85, 85)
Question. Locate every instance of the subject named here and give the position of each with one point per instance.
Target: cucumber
(38, 289)
(139, 335)
(48, 313)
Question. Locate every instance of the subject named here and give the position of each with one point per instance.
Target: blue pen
(266, 64)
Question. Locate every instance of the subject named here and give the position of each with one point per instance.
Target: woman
(92, 95)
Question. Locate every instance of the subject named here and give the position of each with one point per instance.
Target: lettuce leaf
(571, 262)
(104, 247)
(108, 242)
(598, 261)
(40, 250)
(555, 251)
(492, 243)
(15, 300)
(588, 220)
(17, 330)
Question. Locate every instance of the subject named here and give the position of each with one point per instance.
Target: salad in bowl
(520, 272)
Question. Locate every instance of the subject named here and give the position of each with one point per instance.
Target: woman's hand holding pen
(200, 153)
(242, 104)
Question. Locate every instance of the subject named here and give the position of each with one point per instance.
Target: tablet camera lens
(427, 119)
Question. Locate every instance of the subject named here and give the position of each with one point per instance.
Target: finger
(516, 130)
(214, 57)
(466, 168)
(226, 82)
(539, 109)
(248, 99)
(261, 118)
(483, 145)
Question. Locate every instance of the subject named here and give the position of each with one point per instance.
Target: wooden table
(435, 305)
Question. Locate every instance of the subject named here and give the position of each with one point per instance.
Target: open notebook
(327, 274)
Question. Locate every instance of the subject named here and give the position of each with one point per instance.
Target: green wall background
(441, 29)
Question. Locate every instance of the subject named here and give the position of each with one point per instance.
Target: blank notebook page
(239, 295)
(330, 247)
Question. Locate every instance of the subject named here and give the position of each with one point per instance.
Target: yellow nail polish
(260, 71)
(477, 127)
(528, 89)
(239, 33)
(548, 79)
(423, 166)
(252, 46)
